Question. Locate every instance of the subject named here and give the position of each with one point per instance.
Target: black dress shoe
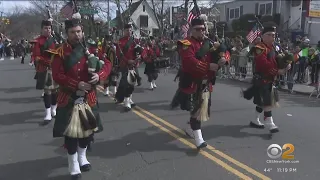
(76, 177)
(126, 109)
(203, 145)
(256, 125)
(133, 105)
(85, 168)
(274, 130)
(44, 123)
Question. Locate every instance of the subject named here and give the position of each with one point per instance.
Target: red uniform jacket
(196, 69)
(79, 72)
(149, 53)
(265, 62)
(129, 54)
(43, 58)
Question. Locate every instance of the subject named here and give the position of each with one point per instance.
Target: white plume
(76, 16)
(203, 17)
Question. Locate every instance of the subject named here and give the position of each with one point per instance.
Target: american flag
(253, 34)
(67, 10)
(194, 13)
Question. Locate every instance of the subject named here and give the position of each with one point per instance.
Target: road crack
(159, 160)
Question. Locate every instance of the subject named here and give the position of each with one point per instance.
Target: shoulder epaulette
(260, 46)
(58, 51)
(185, 42)
(52, 51)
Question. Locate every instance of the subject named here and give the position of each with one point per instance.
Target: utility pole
(108, 29)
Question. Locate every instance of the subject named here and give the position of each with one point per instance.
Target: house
(142, 17)
(291, 12)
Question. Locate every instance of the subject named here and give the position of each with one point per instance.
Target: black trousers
(314, 75)
(124, 89)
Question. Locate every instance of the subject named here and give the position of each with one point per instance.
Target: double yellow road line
(181, 137)
(208, 152)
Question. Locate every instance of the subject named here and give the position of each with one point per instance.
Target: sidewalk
(297, 88)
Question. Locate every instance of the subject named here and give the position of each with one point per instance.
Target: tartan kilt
(41, 78)
(63, 117)
(111, 80)
(265, 95)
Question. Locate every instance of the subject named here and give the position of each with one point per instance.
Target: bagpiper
(109, 50)
(43, 68)
(127, 50)
(197, 72)
(151, 53)
(23, 50)
(263, 91)
(77, 72)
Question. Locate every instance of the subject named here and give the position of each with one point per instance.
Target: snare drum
(162, 63)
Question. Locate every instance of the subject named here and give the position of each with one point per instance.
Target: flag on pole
(67, 10)
(194, 13)
(253, 34)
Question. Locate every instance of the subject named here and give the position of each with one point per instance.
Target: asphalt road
(148, 143)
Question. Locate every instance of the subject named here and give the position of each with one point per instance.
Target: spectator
(243, 62)
(294, 69)
(315, 67)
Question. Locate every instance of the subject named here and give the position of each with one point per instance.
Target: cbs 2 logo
(274, 151)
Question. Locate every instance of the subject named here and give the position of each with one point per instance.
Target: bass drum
(162, 64)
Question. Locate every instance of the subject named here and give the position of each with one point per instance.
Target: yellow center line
(211, 148)
(186, 142)
(204, 153)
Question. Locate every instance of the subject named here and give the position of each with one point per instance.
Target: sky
(5, 6)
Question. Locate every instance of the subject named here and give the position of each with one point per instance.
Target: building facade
(292, 12)
(142, 17)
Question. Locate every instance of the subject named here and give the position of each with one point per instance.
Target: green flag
(304, 52)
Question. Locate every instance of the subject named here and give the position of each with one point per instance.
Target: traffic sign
(88, 11)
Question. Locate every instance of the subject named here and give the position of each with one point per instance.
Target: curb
(281, 90)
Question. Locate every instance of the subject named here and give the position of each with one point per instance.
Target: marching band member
(93, 47)
(196, 74)
(43, 68)
(266, 70)
(126, 51)
(109, 50)
(149, 54)
(77, 113)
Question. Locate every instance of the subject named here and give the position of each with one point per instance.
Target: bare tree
(156, 14)
(119, 10)
(23, 24)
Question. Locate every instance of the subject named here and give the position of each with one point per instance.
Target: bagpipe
(283, 58)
